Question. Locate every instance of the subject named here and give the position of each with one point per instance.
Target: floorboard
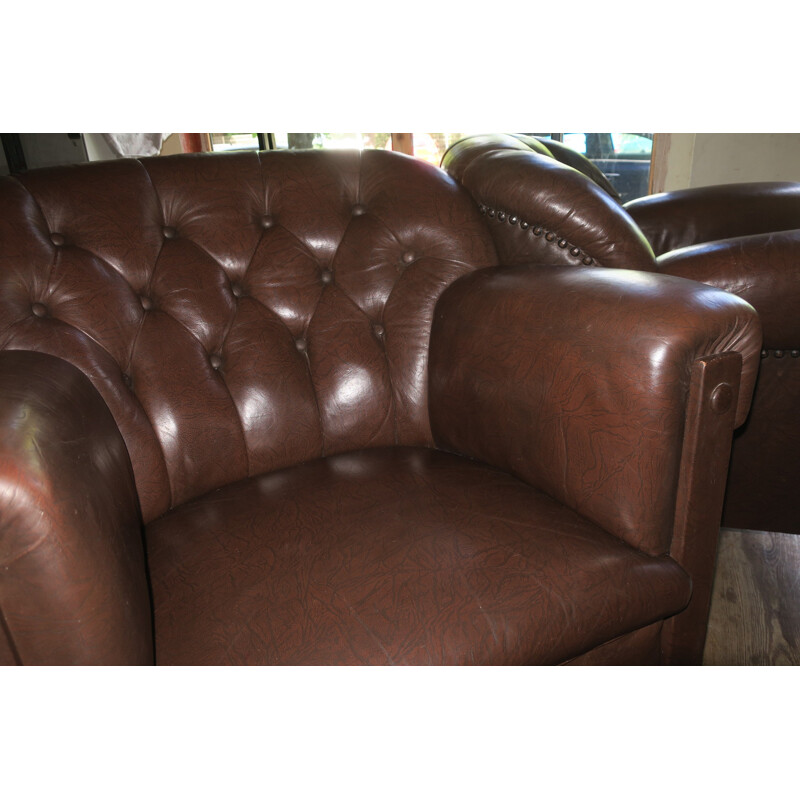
(755, 606)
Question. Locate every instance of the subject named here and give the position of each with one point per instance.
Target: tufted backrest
(541, 210)
(238, 312)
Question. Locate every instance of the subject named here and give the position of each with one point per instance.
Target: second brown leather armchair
(743, 238)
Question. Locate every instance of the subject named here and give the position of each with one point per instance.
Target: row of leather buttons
(170, 232)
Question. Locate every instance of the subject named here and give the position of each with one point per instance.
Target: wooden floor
(755, 606)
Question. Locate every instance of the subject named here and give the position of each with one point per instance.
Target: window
(624, 158)
(429, 147)
(222, 142)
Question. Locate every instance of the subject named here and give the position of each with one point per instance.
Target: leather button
(722, 398)
(169, 232)
(39, 310)
(359, 210)
(215, 359)
(237, 290)
(408, 257)
(147, 303)
(379, 331)
(267, 221)
(127, 380)
(57, 239)
(326, 276)
(301, 345)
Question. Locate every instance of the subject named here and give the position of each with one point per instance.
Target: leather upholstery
(625, 479)
(541, 210)
(73, 585)
(672, 220)
(743, 238)
(268, 402)
(232, 330)
(423, 558)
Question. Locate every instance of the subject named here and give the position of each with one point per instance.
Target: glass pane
(624, 158)
(632, 145)
(221, 142)
(431, 147)
(358, 141)
(577, 141)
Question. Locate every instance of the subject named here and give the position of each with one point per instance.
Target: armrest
(691, 216)
(578, 381)
(73, 587)
(763, 269)
(545, 212)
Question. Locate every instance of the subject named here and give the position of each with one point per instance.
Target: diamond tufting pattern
(239, 314)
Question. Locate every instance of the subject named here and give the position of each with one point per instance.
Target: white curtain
(135, 144)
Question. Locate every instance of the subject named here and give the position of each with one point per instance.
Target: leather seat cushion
(394, 556)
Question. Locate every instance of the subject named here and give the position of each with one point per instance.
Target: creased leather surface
(543, 211)
(764, 269)
(586, 403)
(246, 315)
(238, 313)
(72, 575)
(671, 220)
(394, 556)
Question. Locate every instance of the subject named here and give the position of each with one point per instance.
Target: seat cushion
(394, 556)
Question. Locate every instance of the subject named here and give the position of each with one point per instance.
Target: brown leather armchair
(743, 238)
(291, 408)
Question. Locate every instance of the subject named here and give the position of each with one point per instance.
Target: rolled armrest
(577, 381)
(73, 586)
(763, 269)
(545, 212)
(691, 216)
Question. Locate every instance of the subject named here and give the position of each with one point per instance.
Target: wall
(684, 160)
(47, 150)
(51, 149)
